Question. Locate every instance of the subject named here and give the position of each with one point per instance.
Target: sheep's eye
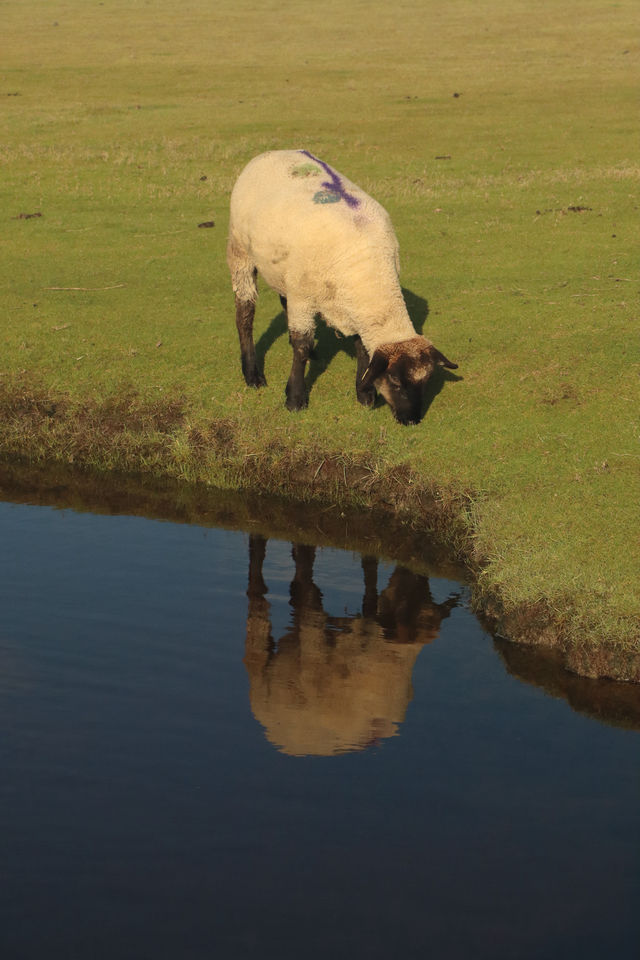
(394, 381)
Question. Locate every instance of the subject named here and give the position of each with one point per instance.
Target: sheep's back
(286, 218)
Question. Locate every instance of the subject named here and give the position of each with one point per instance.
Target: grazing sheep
(326, 248)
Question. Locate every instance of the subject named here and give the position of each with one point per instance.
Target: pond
(220, 743)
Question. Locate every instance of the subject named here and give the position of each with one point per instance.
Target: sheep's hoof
(292, 404)
(255, 379)
(295, 401)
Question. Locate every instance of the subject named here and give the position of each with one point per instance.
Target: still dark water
(220, 746)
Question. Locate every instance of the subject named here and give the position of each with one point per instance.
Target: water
(341, 763)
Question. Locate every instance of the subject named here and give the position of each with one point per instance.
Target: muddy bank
(535, 626)
(345, 527)
(609, 701)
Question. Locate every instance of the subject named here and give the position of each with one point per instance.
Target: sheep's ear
(440, 359)
(377, 366)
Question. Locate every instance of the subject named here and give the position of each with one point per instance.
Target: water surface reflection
(411, 786)
(331, 684)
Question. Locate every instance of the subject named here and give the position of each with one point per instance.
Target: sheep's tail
(243, 273)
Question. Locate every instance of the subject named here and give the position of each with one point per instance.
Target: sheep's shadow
(274, 331)
(328, 343)
(417, 308)
(438, 378)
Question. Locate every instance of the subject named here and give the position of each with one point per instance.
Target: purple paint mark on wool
(335, 185)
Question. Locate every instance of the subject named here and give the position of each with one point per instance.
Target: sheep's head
(400, 372)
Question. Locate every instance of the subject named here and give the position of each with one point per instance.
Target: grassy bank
(502, 144)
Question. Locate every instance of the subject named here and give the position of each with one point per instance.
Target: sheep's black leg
(304, 595)
(366, 397)
(245, 311)
(283, 301)
(370, 598)
(296, 391)
(257, 588)
(259, 645)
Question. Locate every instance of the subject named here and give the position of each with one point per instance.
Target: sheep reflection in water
(335, 684)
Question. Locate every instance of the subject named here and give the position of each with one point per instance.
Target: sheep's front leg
(302, 344)
(245, 312)
(366, 397)
(370, 598)
(305, 597)
(259, 645)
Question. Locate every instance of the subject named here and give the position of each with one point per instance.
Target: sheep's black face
(403, 386)
(407, 407)
(401, 372)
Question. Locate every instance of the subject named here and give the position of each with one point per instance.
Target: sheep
(329, 249)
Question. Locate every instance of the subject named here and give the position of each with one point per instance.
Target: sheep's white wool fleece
(320, 241)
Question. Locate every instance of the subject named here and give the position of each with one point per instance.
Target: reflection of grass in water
(126, 132)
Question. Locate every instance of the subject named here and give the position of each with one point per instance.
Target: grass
(502, 141)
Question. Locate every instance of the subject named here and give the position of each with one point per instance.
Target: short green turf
(503, 139)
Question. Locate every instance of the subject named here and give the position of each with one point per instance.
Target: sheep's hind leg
(296, 391)
(366, 397)
(245, 312)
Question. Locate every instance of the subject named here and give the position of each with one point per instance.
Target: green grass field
(501, 136)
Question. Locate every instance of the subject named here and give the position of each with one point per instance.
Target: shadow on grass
(275, 330)
(328, 343)
(417, 307)
(436, 382)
